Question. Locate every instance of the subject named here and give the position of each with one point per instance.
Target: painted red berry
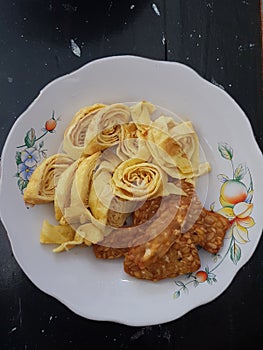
(201, 276)
(50, 124)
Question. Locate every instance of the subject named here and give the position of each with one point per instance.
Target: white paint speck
(10, 79)
(217, 58)
(163, 39)
(13, 329)
(197, 44)
(229, 85)
(132, 6)
(191, 35)
(187, 58)
(251, 45)
(42, 331)
(75, 48)
(155, 9)
(138, 334)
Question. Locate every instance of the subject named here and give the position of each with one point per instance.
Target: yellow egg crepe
(133, 143)
(105, 206)
(42, 183)
(74, 135)
(136, 180)
(175, 148)
(76, 211)
(104, 129)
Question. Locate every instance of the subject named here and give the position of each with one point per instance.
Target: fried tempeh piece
(102, 252)
(209, 230)
(180, 259)
(148, 253)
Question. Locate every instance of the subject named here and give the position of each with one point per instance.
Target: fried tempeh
(164, 237)
(102, 252)
(209, 230)
(148, 253)
(180, 259)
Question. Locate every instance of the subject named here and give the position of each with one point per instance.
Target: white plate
(101, 290)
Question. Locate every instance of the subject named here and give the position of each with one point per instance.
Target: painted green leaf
(249, 196)
(30, 138)
(225, 150)
(235, 253)
(222, 178)
(240, 172)
(207, 269)
(176, 294)
(196, 283)
(18, 158)
(22, 184)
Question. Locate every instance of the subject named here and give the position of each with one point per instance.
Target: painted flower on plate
(30, 157)
(25, 171)
(241, 220)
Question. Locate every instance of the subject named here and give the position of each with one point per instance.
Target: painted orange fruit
(201, 276)
(232, 192)
(50, 124)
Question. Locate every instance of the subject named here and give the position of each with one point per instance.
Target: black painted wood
(221, 40)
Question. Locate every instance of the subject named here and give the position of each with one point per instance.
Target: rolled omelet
(136, 180)
(104, 129)
(42, 183)
(76, 211)
(175, 148)
(75, 134)
(132, 142)
(104, 205)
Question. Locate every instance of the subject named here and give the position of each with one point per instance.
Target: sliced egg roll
(136, 180)
(175, 148)
(105, 206)
(41, 186)
(132, 143)
(63, 191)
(104, 129)
(76, 211)
(74, 136)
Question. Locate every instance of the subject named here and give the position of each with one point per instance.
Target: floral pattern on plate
(236, 195)
(32, 152)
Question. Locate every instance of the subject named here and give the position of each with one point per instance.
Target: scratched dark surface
(221, 40)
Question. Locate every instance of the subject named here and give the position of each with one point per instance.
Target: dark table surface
(221, 40)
